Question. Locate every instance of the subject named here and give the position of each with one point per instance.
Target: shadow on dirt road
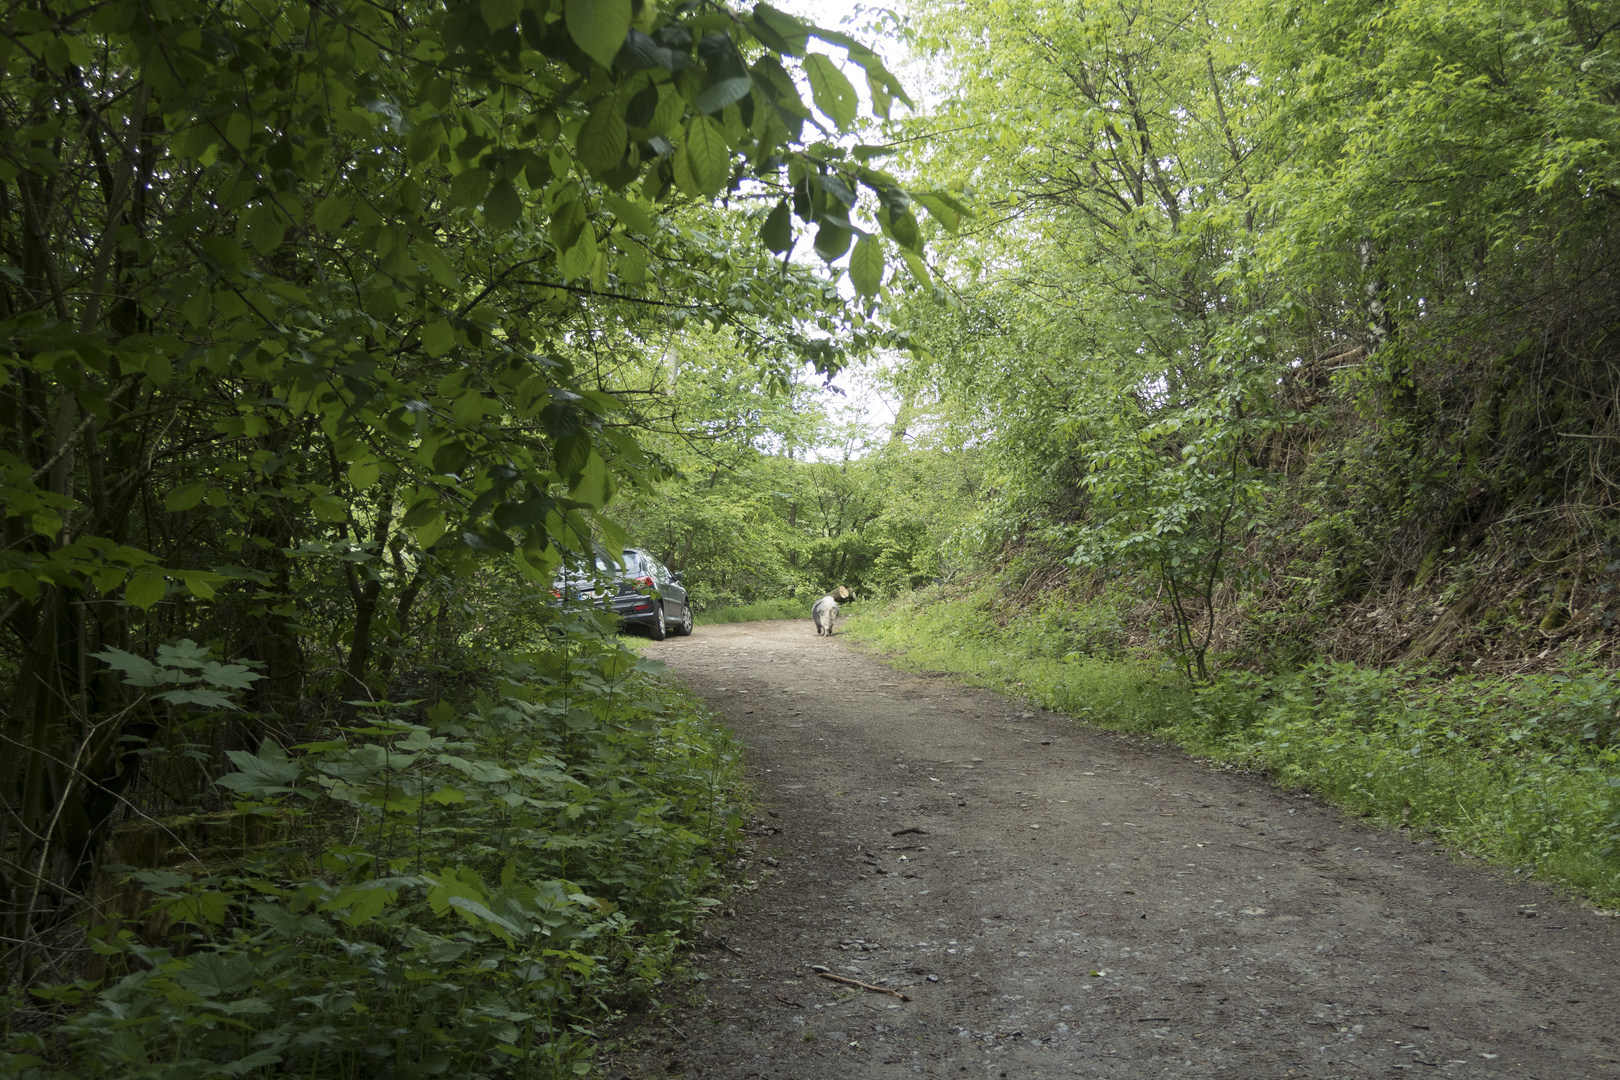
(1062, 902)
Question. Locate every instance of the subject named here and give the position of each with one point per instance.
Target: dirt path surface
(1062, 902)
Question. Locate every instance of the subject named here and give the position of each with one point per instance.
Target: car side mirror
(675, 576)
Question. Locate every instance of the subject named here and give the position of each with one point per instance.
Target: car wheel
(686, 621)
(658, 631)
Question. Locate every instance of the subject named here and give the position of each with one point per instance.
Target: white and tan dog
(825, 611)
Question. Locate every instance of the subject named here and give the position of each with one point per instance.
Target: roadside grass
(1521, 770)
(784, 608)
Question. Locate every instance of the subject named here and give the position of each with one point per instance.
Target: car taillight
(646, 582)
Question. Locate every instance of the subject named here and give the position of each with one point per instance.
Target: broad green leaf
(598, 27)
(467, 188)
(630, 214)
(833, 93)
(666, 117)
(159, 369)
(196, 695)
(438, 337)
(779, 31)
(832, 240)
(145, 589)
(332, 211)
(500, 14)
(602, 136)
(199, 583)
(330, 508)
(269, 771)
(918, 268)
(134, 670)
(704, 157)
(578, 260)
(778, 229)
(722, 93)
(428, 533)
(184, 497)
(594, 486)
(941, 208)
(502, 206)
(210, 907)
(365, 472)
(882, 100)
(468, 408)
(866, 266)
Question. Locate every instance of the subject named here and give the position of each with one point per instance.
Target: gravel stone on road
(1058, 901)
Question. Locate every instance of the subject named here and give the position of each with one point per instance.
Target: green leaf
(882, 100)
(577, 261)
(135, 670)
(834, 94)
(210, 907)
(866, 266)
(200, 583)
(722, 93)
(428, 533)
(902, 228)
(832, 240)
(630, 214)
(918, 268)
(703, 157)
(196, 695)
(438, 337)
(778, 229)
(159, 369)
(330, 508)
(602, 136)
(267, 772)
(479, 915)
(598, 27)
(185, 497)
(365, 472)
(502, 206)
(942, 208)
(500, 14)
(593, 486)
(331, 212)
(145, 589)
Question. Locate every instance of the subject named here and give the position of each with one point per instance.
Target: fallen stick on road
(863, 986)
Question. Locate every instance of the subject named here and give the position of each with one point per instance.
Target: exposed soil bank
(1062, 902)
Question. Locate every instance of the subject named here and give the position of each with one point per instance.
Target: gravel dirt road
(1062, 902)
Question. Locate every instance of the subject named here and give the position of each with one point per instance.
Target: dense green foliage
(326, 331)
(1299, 315)
(794, 496)
(418, 898)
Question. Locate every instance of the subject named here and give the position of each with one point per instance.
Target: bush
(469, 889)
(786, 608)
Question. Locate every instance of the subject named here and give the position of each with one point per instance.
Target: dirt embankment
(1061, 902)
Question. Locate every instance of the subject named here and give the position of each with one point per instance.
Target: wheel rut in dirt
(1058, 901)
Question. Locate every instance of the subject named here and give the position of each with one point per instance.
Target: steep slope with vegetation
(1300, 316)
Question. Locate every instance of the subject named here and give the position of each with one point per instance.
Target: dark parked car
(641, 590)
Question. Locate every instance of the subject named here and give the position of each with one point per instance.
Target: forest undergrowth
(464, 889)
(1523, 770)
